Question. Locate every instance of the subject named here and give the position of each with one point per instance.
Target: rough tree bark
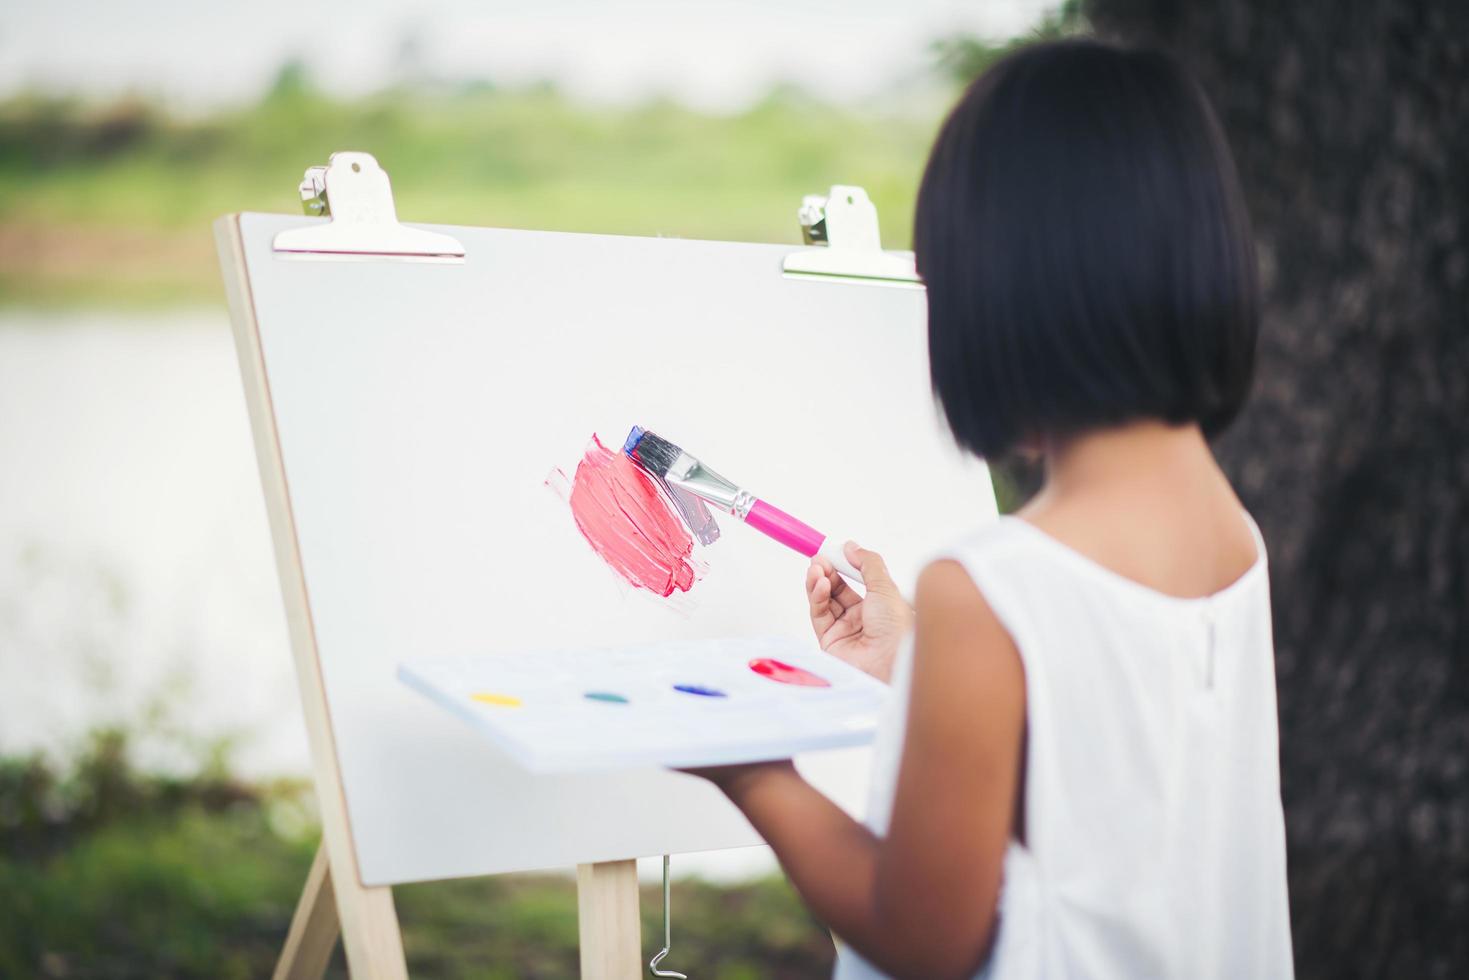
(1350, 123)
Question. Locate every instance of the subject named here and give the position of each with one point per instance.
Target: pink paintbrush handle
(799, 536)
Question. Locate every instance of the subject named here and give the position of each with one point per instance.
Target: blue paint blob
(699, 689)
(605, 696)
(633, 438)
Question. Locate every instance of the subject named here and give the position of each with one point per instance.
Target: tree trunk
(1350, 123)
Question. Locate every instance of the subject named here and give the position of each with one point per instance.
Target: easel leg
(314, 928)
(369, 929)
(368, 921)
(607, 910)
(365, 917)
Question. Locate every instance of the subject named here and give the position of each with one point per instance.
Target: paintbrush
(679, 471)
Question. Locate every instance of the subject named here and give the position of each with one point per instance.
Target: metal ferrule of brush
(689, 474)
(744, 500)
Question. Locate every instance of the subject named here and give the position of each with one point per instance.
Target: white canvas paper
(419, 409)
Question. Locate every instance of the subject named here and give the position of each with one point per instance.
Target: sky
(711, 54)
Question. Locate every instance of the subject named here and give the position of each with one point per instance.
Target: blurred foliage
(965, 57)
(42, 809)
(112, 204)
(108, 872)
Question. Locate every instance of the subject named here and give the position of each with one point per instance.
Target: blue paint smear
(633, 438)
(707, 692)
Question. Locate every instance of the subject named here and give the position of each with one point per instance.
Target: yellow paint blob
(498, 700)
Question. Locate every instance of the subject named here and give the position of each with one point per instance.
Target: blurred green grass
(108, 872)
(111, 205)
(209, 894)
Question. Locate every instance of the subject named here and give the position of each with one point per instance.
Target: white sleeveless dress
(1155, 840)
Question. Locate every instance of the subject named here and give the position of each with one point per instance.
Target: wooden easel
(607, 907)
(334, 900)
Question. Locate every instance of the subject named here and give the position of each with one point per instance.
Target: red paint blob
(779, 670)
(626, 520)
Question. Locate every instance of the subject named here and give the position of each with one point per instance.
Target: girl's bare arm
(921, 901)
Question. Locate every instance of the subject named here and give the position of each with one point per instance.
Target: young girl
(1080, 778)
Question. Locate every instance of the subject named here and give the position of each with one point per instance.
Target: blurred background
(155, 816)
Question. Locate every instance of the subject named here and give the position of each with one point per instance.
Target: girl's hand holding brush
(865, 631)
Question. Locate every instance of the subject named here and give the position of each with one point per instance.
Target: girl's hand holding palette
(679, 705)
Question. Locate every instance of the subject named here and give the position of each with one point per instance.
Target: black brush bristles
(654, 453)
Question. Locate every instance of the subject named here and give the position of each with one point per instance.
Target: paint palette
(689, 703)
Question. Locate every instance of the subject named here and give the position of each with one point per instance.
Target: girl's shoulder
(1016, 564)
(1005, 563)
(1004, 540)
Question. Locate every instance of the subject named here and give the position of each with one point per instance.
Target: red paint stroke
(779, 670)
(626, 519)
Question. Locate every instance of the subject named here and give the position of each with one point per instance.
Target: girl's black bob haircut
(1087, 252)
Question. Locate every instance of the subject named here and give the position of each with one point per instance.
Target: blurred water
(136, 577)
(137, 582)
